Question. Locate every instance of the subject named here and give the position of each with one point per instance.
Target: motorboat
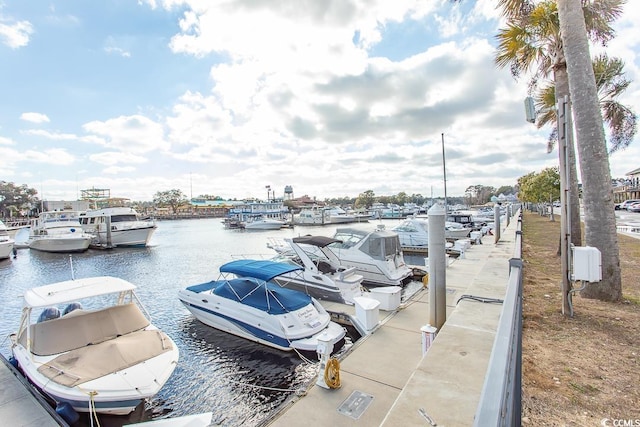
(58, 231)
(259, 222)
(88, 344)
(310, 215)
(118, 226)
(414, 232)
(6, 242)
(376, 255)
(322, 277)
(337, 215)
(246, 302)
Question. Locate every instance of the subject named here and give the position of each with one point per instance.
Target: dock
(20, 404)
(386, 381)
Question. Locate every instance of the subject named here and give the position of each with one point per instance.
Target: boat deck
(385, 380)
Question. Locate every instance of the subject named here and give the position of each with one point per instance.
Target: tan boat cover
(81, 328)
(94, 361)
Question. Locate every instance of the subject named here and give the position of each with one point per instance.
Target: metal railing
(501, 399)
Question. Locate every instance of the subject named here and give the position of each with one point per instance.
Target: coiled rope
(332, 373)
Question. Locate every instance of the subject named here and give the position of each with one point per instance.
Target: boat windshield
(123, 218)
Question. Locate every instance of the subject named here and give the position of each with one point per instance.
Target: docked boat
(376, 255)
(259, 222)
(58, 231)
(414, 232)
(6, 242)
(337, 215)
(310, 215)
(322, 278)
(118, 226)
(87, 344)
(245, 302)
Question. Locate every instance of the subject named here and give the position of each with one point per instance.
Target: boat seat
(76, 330)
(325, 267)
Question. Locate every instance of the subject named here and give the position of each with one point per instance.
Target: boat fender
(425, 280)
(66, 411)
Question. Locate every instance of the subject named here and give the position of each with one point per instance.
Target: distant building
(629, 189)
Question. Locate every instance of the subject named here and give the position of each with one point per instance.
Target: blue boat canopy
(260, 269)
(257, 293)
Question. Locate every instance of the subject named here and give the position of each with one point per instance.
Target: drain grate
(355, 405)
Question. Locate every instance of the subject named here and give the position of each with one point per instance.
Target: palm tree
(610, 83)
(600, 221)
(531, 42)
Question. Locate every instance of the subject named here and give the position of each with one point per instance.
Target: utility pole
(564, 138)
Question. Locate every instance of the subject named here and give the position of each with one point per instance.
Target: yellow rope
(332, 373)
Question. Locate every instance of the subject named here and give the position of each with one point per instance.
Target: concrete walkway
(386, 381)
(18, 406)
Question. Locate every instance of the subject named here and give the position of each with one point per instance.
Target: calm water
(241, 382)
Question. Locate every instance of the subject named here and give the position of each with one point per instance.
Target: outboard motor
(73, 306)
(49, 313)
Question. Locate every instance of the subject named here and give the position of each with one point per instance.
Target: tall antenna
(444, 172)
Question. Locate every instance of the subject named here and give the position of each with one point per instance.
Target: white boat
(321, 278)
(6, 242)
(259, 222)
(118, 226)
(92, 346)
(414, 232)
(376, 255)
(58, 231)
(337, 215)
(245, 302)
(310, 215)
(266, 215)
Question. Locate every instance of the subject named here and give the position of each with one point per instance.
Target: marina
(241, 382)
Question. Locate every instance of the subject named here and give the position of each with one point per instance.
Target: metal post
(444, 173)
(437, 267)
(564, 129)
(496, 223)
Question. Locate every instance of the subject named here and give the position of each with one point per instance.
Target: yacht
(58, 231)
(6, 242)
(118, 226)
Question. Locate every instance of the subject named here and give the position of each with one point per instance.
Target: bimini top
(260, 269)
(256, 293)
(73, 290)
(319, 241)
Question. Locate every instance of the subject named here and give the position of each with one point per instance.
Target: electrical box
(529, 109)
(587, 264)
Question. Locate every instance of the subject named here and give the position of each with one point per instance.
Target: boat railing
(500, 401)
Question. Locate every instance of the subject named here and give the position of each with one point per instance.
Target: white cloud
(56, 136)
(6, 141)
(15, 34)
(34, 117)
(113, 158)
(135, 134)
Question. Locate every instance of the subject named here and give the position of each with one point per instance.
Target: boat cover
(319, 241)
(260, 269)
(256, 293)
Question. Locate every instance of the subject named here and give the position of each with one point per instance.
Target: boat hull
(60, 244)
(255, 325)
(111, 395)
(6, 248)
(132, 237)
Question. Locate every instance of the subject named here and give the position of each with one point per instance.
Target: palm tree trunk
(600, 222)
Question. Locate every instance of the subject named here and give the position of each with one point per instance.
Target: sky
(224, 98)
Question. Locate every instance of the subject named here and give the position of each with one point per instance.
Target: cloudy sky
(226, 97)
